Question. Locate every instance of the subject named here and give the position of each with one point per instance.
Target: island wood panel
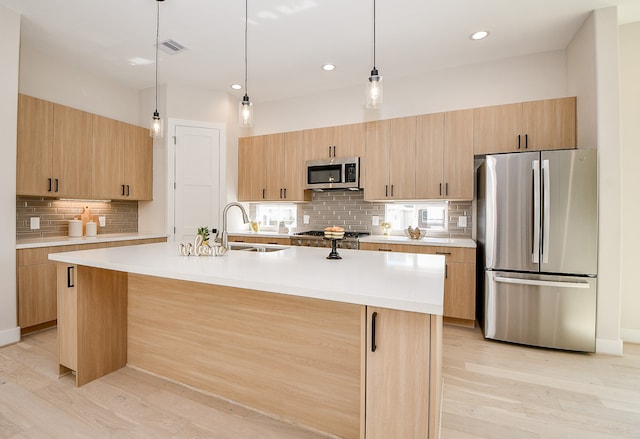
(96, 303)
(399, 375)
(298, 359)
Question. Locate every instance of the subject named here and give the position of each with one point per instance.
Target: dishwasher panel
(541, 310)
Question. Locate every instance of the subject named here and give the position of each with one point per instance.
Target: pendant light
(246, 107)
(374, 88)
(155, 130)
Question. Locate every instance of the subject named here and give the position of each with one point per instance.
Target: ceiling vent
(171, 47)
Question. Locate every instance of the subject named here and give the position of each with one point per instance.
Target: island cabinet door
(402, 393)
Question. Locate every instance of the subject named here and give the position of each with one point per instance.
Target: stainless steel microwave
(340, 173)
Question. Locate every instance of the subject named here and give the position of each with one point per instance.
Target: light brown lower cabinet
(403, 388)
(260, 239)
(302, 360)
(36, 281)
(92, 321)
(459, 282)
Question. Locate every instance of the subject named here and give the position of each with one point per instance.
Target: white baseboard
(9, 336)
(630, 335)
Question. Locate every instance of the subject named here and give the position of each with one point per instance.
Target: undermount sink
(254, 248)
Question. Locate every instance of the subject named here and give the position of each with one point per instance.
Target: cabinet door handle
(386, 190)
(285, 192)
(334, 150)
(519, 136)
(280, 192)
(122, 186)
(526, 141)
(440, 189)
(70, 283)
(329, 151)
(392, 190)
(263, 191)
(128, 191)
(57, 185)
(373, 331)
(50, 185)
(446, 271)
(446, 188)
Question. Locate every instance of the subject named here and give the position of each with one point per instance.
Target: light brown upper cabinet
(535, 125)
(390, 168)
(123, 161)
(332, 142)
(444, 156)
(271, 168)
(458, 155)
(54, 154)
(65, 152)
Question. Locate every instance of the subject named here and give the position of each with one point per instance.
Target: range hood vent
(171, 47)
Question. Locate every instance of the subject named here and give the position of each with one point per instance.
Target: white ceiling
(289, 40)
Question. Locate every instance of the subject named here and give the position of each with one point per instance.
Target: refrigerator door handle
(546, 210)
(544, 283)
(535, 245)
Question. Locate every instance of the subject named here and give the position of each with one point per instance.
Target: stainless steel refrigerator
(537, 240)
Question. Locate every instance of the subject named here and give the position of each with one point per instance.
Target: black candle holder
(334, 249)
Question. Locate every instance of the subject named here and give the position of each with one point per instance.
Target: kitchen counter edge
(65, 240)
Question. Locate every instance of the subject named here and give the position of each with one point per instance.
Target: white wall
(593, 76)
(629, 37)
(186, 103)
(9, 54)
(45, 77)
(531, 77)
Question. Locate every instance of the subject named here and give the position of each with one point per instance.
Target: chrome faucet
(245, 218)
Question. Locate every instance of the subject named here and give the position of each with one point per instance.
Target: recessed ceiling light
(236, 86)
(328, 67)
(480, 35)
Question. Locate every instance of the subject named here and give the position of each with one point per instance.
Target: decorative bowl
(416, 233)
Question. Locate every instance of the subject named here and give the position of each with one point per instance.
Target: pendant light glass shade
(374, 90)
(156, 125)
(245, 112)
(155, 129)
(374, 87)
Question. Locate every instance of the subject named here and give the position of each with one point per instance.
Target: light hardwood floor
(491, 390)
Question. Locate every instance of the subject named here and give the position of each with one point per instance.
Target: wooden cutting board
(85, 217)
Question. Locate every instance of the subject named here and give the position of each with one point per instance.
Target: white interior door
(197, 180)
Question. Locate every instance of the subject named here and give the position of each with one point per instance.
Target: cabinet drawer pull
(373, 331)
(384, 250)
(70, 283)
(443, 253)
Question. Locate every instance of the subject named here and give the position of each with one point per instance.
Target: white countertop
(445, 242)
(261, 234)
(402, 281)
(65, 240)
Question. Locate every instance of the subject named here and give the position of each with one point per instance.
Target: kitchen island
(349, 347)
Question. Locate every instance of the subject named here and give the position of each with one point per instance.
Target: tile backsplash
(349, 210)
(120, 216)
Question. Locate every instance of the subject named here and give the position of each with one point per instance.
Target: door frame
(171, 166)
